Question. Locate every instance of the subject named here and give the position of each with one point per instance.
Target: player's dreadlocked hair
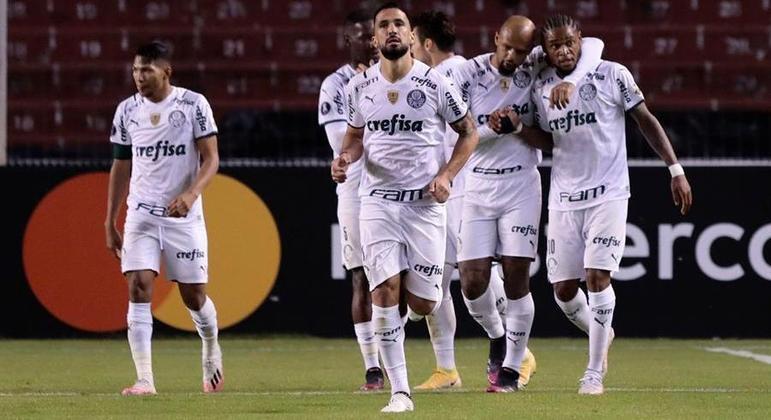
(558, 21)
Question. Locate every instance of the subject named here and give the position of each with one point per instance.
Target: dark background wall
(729, 227)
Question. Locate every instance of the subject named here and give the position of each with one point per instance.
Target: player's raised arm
(653, 132)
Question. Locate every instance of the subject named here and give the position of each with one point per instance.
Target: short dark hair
(386, 5)
(438, 27)
(356, 16)
(154, 50)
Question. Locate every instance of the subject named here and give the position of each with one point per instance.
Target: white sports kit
(164, 162)
(502, 202)
(332, 116)
(402, 226)
(455, 202)
(589, 179)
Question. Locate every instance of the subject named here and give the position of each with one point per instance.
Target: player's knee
(193, 297)
(597, 280)
(420, 306)
(565, 291)
(474, 280)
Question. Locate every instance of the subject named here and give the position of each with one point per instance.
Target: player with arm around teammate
(589, 188)
(502, 204)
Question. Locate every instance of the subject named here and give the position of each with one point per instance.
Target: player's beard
(394, 53)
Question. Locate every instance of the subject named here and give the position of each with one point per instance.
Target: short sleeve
(119, 133)
(626, 92)
(203, 124)
(451, 108)
(331, 101)
(463, 79)
(355, 118)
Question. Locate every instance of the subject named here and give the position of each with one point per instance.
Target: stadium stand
(69, 60)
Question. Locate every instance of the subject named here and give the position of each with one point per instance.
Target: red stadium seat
(289, 45)
(232, 44)
(751, 43)
(699, 12)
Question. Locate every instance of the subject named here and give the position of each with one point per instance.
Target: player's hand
(560, 95)
(181, 205)
(361, 68)
(681, 193)
(439, 188)
(494, 122)
(340, 167)
(113, 240)
(514, 118)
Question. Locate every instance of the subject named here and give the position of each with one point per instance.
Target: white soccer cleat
(400, 402)
(611, 336)
(213, 375)
(591, 384)
(140, 387)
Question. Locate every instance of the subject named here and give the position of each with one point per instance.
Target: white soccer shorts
(588, 238)
(500, 218)
(184, 250)
(397, 237)
(454, 212)
(350, 240)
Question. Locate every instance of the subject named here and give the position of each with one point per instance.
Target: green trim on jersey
(121, 151)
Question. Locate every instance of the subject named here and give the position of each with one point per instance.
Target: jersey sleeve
(463, 79)
(119, 132)
(591, 55)
(203, 120)
(626, 92)
(355, 119)
(451, 105)
(331, 101)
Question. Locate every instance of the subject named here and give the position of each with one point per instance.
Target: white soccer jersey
(332, 109)
(447, 69)
(165, 159)
(589, 166)
(404, 124)
(486, 91)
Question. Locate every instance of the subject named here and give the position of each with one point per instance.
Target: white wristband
(676, 169)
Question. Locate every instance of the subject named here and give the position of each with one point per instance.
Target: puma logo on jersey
(398, 122)
(572, 119)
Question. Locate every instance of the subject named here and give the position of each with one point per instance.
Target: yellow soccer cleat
(441, 379)
(527, 370)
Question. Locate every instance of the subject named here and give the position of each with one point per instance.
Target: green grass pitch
(306, 377)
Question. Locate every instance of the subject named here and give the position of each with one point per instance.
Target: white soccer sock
(205, 320)
(519, 321)
(499, 292)
(389, 332)
(441, 325)
(602, 305)
(484, 312)
(576, 310)
(140, 333)
(365, 335)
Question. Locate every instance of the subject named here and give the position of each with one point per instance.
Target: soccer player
(357, 33)
(397, 111)
(434, 35)
(590, 182)
(164, 142)
(502, 205)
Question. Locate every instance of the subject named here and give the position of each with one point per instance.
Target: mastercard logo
(75, 277)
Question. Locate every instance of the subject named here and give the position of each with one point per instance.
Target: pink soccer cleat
(140, 387)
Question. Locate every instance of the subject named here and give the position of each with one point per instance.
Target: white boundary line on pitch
(762, 358)
(323, 393)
